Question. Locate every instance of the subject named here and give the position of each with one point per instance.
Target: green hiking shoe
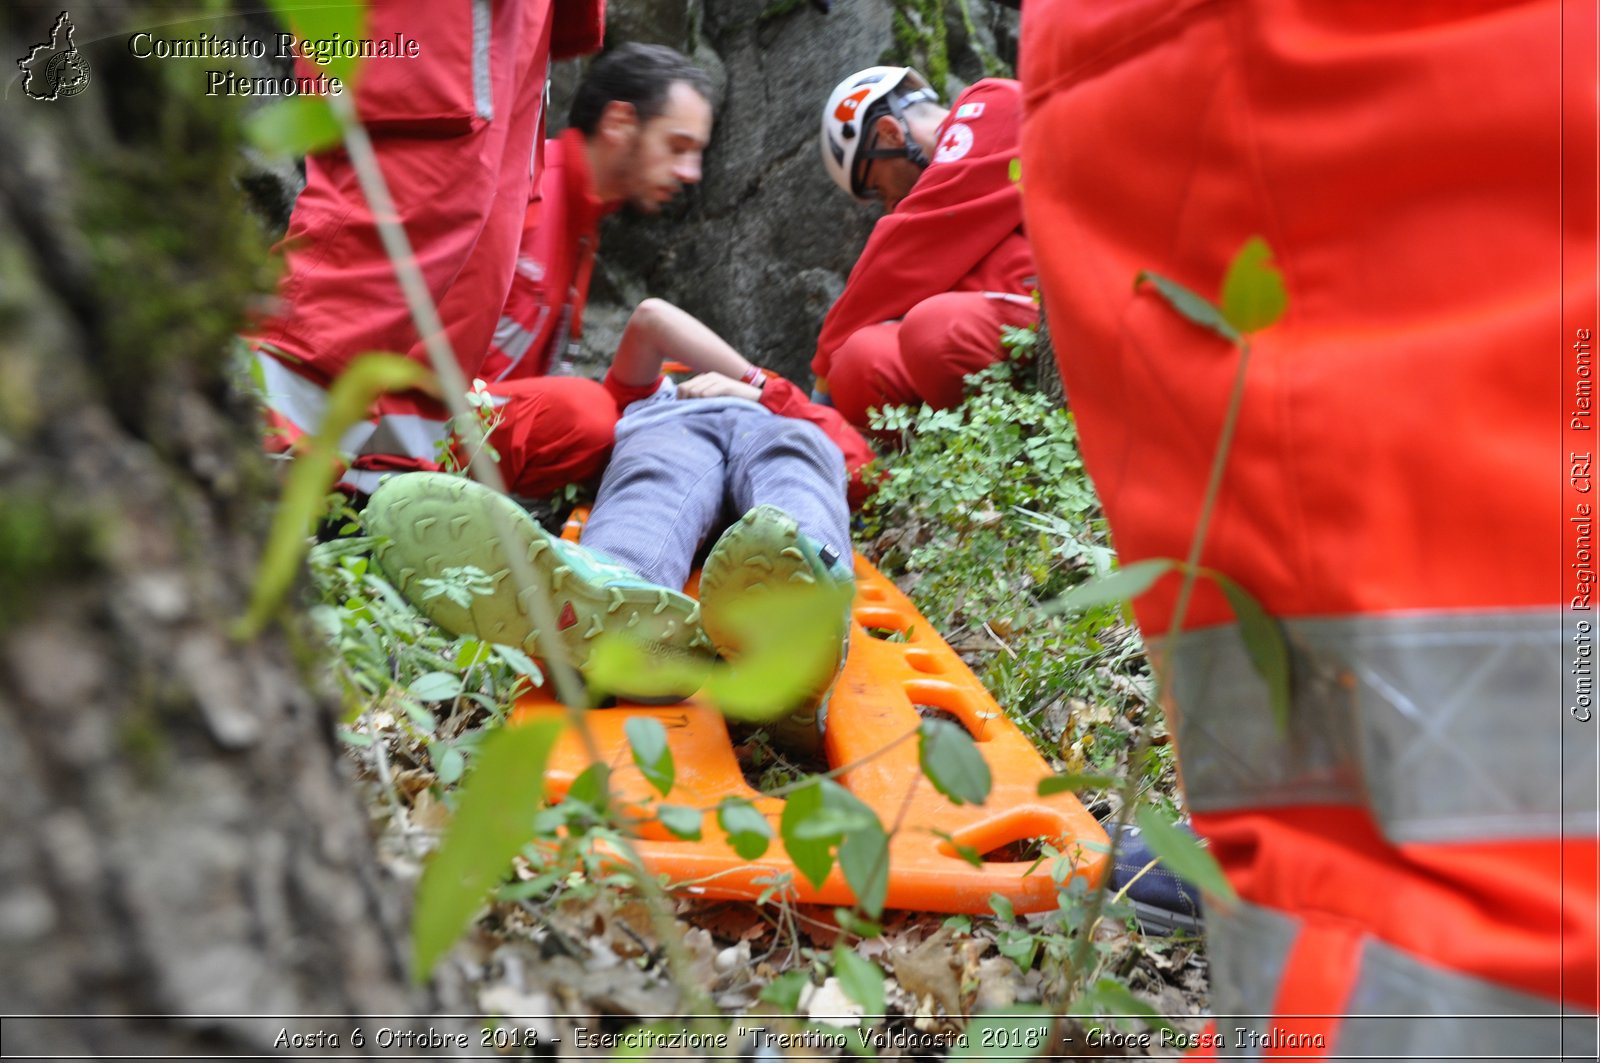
(764, 553)
(432, 529)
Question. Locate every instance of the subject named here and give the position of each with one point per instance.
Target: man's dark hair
(640, 74)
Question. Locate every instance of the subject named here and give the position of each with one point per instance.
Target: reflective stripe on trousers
(482, 38)
(514, 341)
(1445, 726)
(1400, 1007)
(303, 403)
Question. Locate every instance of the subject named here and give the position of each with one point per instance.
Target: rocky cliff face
(761, 249)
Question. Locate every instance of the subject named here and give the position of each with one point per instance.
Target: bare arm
(659, 332)
(717, 386)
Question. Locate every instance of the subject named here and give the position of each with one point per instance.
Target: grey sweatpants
(683, 470)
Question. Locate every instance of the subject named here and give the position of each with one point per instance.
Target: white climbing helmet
(854, 106)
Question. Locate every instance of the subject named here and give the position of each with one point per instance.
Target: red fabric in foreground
(460, 197)
(1399, 442)
(1494, 910)
(1400, 445)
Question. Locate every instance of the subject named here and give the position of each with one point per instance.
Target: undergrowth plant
(389, 659)
(985, 514)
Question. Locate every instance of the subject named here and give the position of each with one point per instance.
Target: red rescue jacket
(960, 229)
(544, 309)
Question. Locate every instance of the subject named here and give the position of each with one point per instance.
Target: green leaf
(435, 686)
(1017, 1032)
(1253, 295)
(592, 788)
(315, 21)
(1019, 945)
(951, 761)
(312, 475)
(813, 857)
(1126, 583)
(833, 822)
(549, 821)
(419, 716)
(966, 852)
(1073, 781)
(299, 125)
(450, 765)
(864, 859)
(682, 821)
(618, 662)
(1195, 308)
(469, 653)
(1264, 641)
(826, 815)
(648, 740)
(787, 637)
(748, 830)
(519, 662)
(785, 990)
(513, 892)
(493, 820)
(1110, 997)
(861, 979)
(1001, 906)
(1182, 854)
(851, 924)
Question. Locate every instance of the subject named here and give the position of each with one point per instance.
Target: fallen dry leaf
(997, 984)
(727, 921)
(428, 813)
(929, 971)
(409, 783)
(816, 923)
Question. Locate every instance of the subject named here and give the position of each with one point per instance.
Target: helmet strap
(898, 106)
(895, 106)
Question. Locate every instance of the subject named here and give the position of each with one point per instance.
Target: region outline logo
(56, 68)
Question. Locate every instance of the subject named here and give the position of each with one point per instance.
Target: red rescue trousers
(926, 356)
(455, 131)
(1418, 838)
(553, 431)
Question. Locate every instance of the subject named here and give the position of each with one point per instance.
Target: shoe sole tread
(432, 538)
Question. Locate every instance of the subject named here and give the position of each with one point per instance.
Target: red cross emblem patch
(955, 143)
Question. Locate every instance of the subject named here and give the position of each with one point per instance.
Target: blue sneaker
(1163, 903)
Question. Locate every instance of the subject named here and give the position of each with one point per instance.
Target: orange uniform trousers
(926, 355)
(1424, 174)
